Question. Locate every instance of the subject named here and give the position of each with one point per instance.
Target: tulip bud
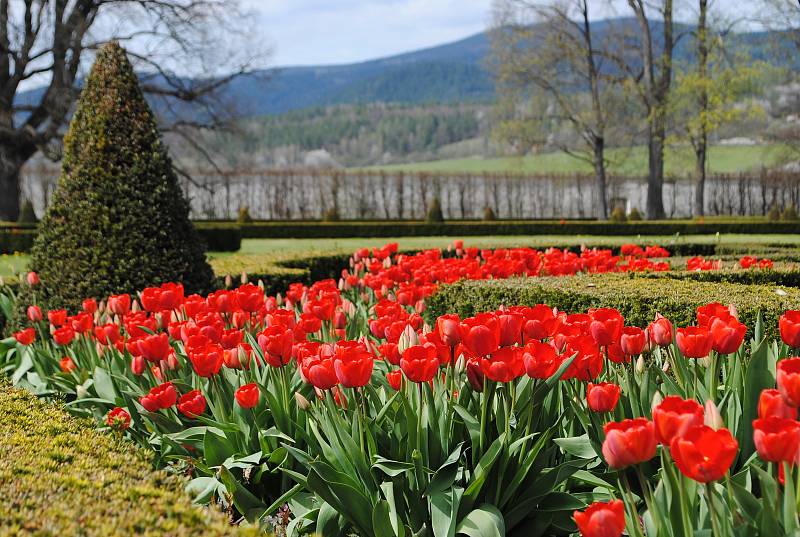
(657, 398)
(261, 284)
(2, 282)
(640, 367)
(704, 361)
(135, 306)
(243, 279)
(713, 418)
(137, 365)
(32, 278)
(81, 391)
(407, 339)
(302, 402)
(228, 281)
(475, 375)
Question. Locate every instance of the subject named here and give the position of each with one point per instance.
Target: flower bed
(339, 401)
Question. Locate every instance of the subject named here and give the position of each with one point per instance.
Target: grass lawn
(257, 255)
(627, 161)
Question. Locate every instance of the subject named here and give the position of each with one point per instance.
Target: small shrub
(774, 214)
(789, 214)
(435, 212)
(26, 214)
(244, 215)
(488, 214)
(331, 215)
(118, 221)
(618, 215)
(634, 215)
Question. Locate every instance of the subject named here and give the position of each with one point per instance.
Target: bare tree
(48, 43)
(653, 81)
(549, 70)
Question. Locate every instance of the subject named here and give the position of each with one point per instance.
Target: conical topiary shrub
(434, 215)
(118, 221)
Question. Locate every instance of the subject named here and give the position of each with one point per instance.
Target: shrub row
(785, 277)
(260, 230)
(639, 299)
(60, 476)
(218, 238)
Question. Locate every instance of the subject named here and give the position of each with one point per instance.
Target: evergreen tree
(118, 221)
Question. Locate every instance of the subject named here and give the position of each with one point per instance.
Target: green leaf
(485, 521)
(577, 446)
(391, 468)
(381, 523)
(216, 448)
(445, 475)
(203, 489)
(250, 506)
(103, 385)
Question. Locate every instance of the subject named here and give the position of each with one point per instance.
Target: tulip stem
(711, 510)
(631, 504)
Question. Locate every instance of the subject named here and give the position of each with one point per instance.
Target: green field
(624, 161)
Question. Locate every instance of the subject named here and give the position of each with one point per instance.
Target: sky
(321, 32)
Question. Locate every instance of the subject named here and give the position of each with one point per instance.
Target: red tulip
(276, 342)
(704, 454)
(632, 340)
(727, 334)
(694, 341)
(207, 361)
(789, 380)
(789, 325)
(161, 397)
(67, 365)
(660, 331)
(390, 352)
(504, 365)
(395, 379)
(420, 362)
(32, 278)
(119, 304)
(602, 397)
(601, 519)
(57, 317)
(155, 347)
(706, 314)
(777, 439)
(90, 306)
(250, 297)
(674, 416)
(771, 404)
(34, 314)
(248, 395)
(606, 326)
(541, 360)
(481, 334)
(353, 364)
(510, 324)
(25, 336)
(318, 369)
(540, 322)
(118, 418)
(192, 404)
(475, 375)
(448, 328)
(64, 335)
(628, 442)
(137, 365)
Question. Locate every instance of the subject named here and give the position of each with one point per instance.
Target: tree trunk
(600, 177)
(10, 187)
(655, 177)
(700, 188)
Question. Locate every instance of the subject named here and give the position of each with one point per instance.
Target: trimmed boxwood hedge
(218, 238)
(639, 299)
(372, 229)
(60, 476)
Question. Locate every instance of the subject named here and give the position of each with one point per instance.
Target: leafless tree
(549, 50)
(46, 45)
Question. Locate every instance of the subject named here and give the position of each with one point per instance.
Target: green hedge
(639, 299)
(373, 229)
(786, 277)
(60, 476)
(218, 238)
